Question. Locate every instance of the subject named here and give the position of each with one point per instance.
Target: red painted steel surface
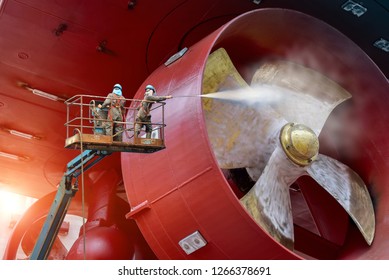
(183, 187)
(180, 190)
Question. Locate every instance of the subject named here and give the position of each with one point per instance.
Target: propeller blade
(268, 202)
(236, 144)
(308, 97)
(348, 189)
(242, 136)
(220, 73)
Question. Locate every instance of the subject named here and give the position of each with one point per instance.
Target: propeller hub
(300, 143)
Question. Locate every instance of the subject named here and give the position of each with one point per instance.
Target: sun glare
(11, 203)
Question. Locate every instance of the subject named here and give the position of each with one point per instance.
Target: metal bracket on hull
(138, 209)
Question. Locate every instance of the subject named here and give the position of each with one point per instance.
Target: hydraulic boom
(66, 191)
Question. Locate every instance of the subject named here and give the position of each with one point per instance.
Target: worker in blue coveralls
(115, 103)
(143, 117)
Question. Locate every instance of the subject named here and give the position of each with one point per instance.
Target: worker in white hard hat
(143, 117)
(115, 103)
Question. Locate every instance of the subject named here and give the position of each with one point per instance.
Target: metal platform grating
(105, 143)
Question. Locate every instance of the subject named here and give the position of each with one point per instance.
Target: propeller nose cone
(300, 143)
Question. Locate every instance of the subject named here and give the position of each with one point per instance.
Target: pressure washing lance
(188, 96)
(209, 95)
